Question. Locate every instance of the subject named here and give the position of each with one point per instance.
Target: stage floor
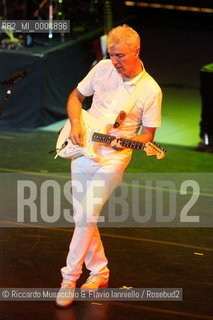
(138, 258)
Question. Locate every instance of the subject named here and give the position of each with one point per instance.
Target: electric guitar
(94, 132)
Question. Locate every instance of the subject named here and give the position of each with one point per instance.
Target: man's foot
(204, 147)
(65, 296)
(95, 282)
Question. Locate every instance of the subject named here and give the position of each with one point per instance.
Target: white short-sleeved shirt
(111, 95)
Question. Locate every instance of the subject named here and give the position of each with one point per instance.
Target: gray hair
(125, 34)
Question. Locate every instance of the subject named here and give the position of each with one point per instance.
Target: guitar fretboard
(127, 143)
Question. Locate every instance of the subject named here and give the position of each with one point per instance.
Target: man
(115, 83)
(206, 131)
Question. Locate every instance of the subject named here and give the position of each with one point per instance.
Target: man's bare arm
(74, 107)
(147, 134)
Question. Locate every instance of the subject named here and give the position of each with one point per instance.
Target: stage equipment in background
(197, 6)
(100, 45)
(10, 82)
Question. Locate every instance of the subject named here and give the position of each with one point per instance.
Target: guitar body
(67, 150)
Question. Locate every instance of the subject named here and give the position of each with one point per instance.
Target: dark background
(175, 45)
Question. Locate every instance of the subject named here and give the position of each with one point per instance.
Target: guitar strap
(129, 104)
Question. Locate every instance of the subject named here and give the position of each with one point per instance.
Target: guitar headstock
(154, 149)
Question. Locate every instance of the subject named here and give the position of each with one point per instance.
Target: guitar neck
(127, 143)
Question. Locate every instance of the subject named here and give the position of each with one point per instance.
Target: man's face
(123, 58)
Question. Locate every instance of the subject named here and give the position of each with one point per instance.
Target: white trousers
(92, 185)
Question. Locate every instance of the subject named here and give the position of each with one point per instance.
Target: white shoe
(65, 295)
(94, 282)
